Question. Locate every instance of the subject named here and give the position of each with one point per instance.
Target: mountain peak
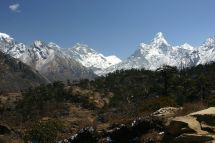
(187, 46)
(83, 48)
(159, 34)
(159, 39)
(38, 43)
(114, 59)
(53, 45)
(80, 45)
(5, 36)
(210, 41)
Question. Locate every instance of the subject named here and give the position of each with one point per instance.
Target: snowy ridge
(51, 59)
(90, 58)
(207, 51)
(5, 36)
(159, 52)
(47, 58)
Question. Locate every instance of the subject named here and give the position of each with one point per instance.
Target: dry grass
(191, 107)
(78, 118)
(99, 99)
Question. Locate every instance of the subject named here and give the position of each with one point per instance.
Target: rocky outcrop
(143, 130)
(197, 127)
(166, 112)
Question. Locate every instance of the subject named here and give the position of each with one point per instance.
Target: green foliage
(139, 88)
(44, 132)
(132, 90)
(41, 100)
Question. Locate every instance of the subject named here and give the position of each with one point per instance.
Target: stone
(197, 127)
(166, 112)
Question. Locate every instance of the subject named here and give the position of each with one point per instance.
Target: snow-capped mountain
(81, 61)
(159, 52)
(207, 51)
(90, 58)
(48, 59)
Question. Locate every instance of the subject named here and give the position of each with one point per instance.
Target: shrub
(44, 132)
(156, 103)
(42, 100)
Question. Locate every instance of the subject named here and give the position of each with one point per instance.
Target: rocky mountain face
(159, 52)
(16, 75)
(48, 59)
(90, 58)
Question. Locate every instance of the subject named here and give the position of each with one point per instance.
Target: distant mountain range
(90, 58)
(80, 61)
(48, 59)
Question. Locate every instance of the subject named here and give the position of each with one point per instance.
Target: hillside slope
(14, 75)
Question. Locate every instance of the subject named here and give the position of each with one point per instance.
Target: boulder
(166, 112)
(197, 127)
(205, 116)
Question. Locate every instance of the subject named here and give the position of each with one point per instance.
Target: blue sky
(109, 26)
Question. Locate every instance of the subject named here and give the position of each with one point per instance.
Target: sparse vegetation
(143, 90)
(42, 100)
(44, 132)
(118, 97)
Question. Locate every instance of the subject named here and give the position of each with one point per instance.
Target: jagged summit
(38, 43)
(159, 52)
(53, 45)
(47, 58)
(50, 58)
(83, 48)
(4, 35)
(90, 58)
(159, 39)
(210, 41)
(187, 46)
